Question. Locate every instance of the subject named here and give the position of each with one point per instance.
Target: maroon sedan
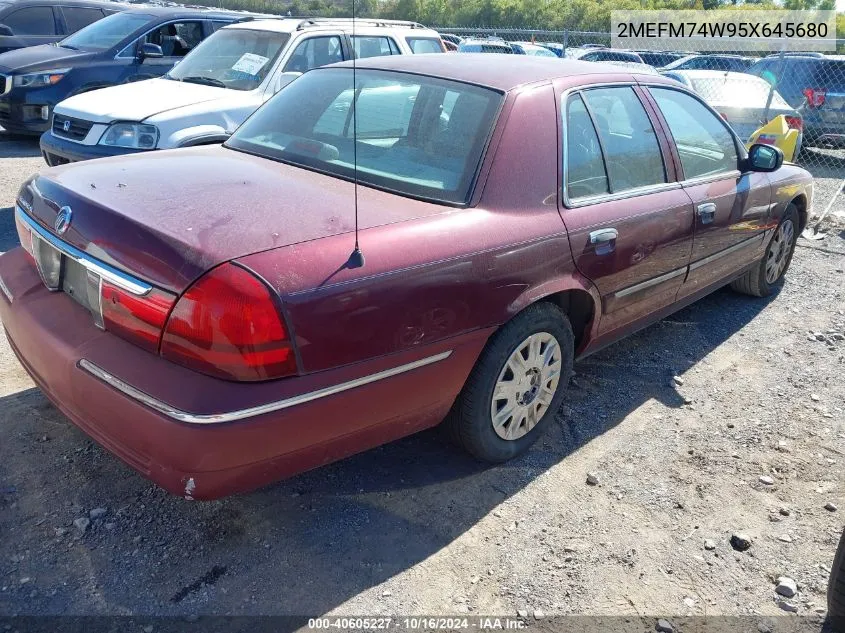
(198, 313)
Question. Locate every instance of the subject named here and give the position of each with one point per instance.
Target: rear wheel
(516, 386)
(763, 278)
(836, 589)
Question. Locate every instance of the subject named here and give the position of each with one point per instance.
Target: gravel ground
(728, 417)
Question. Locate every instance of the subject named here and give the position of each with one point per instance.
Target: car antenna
(356, 259)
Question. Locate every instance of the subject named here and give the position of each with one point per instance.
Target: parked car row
(205, 97)
(812, 84)
(377, 248)
(32, 22)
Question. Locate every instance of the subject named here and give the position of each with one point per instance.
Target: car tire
(769, 272)
(836, 589)
(542, 338)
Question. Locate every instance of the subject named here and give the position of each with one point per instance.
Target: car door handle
(603, 235)
(707, 212)
(604, 240)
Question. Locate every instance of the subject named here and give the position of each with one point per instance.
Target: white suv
(218, 85)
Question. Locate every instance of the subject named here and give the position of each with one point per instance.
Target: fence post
(773, 87)
(565, 41)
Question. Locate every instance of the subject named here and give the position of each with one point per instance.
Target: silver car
(741, 99)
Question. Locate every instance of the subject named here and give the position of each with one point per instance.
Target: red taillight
(140, 320)
(228, 325)
(815, 96)
(794, 122)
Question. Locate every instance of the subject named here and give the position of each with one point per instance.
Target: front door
(731, 208)
(630, 225)
(176, 40)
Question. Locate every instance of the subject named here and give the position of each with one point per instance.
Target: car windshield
(237, 58)
(416, 135)
(105, 33)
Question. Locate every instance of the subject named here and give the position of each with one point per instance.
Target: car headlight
(40, 79)
(132, 135)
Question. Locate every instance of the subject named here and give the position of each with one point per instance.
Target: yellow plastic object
(776, 132)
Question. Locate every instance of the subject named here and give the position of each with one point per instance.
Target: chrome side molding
(241, 414)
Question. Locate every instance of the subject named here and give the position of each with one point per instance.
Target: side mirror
(285, 78)
(151, 51)
(6, 31)
(764, 157)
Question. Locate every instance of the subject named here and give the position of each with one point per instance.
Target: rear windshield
(418, 136)
(485, 48)
(105, 33)
(831, 75)
(793, 74)
(231, 58)
(740, 90)
(424, 45)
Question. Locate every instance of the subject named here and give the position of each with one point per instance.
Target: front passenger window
(313, 53)
(177, 39)
(705, 145)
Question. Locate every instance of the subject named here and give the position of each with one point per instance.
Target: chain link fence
(793, 100)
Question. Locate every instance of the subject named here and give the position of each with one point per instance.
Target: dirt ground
(416, 527)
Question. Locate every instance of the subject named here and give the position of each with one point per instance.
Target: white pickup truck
(218, 85)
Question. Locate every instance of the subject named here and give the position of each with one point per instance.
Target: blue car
(129, 46)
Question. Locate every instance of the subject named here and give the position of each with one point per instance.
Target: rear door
(176, 39)
(630, 225)
(75, 18)
(732, 209)
(32, 25)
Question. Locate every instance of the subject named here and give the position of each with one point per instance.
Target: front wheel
(516, 386)
(763, 278)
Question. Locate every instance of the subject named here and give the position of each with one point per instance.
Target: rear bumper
(51, 335)
(58, 151)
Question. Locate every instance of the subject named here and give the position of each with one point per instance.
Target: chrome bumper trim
(109, 273)
(5, 290)
(240, 414)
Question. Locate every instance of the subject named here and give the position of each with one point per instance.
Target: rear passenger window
(374, 46)
(31, 21)
(628, 140)
(585, 173)
(79, 17)
(705, 145)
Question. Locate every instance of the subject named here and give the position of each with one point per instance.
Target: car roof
(365, 27)
(4, 4)
(508, 71)
(186, 12)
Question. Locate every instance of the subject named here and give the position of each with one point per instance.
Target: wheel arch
(577, 297)
(800, 202)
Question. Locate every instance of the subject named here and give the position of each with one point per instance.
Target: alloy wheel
(779, 251)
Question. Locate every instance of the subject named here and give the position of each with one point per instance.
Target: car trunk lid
(167, 217)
